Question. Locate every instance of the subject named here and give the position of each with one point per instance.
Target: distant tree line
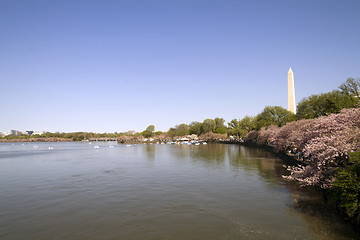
(75, 136)
(310, 107)
(314, 106)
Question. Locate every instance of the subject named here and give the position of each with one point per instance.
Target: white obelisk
(291, 92)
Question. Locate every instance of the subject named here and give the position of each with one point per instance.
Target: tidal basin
(143, 191)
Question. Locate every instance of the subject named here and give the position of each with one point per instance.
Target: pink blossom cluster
(323, 144)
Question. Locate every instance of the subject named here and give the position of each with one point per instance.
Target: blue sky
(113, 66)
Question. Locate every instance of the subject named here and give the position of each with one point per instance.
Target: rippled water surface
(214, 191)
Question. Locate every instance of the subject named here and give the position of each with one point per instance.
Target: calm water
(213, 191)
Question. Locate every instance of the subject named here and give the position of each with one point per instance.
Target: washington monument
(291, 92)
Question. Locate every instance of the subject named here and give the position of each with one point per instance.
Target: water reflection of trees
(305, 203)
(265, 163)
(149, 150)
(308, 203)
(322, 218)
(211, 155)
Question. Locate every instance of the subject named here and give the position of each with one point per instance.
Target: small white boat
(50, 148)
(204, 143)
(196, 144)
(128, 145)
(96, 147)
(111, 146)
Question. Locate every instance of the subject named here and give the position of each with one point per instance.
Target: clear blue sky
(107, 66)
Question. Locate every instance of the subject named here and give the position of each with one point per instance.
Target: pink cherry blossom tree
(324, 144)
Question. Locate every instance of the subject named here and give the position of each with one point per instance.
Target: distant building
(37, 133)
(14, 132)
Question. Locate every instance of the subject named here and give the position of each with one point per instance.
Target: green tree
(346, 187)
(208, 125)
(241, 127)
(234, 128)
(150, 128)
(195, 128)
(220, 126)
(351, 87)
(273, 115)
(171, 132)
(247, 123)
(146, 134)
(324, 104)
(181, 130)
(149, 131)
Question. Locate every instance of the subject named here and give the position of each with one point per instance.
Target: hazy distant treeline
(347, 96)
(314, 106)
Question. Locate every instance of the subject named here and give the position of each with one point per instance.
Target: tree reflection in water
(210, 155)
(307, 202)
(150, 151)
